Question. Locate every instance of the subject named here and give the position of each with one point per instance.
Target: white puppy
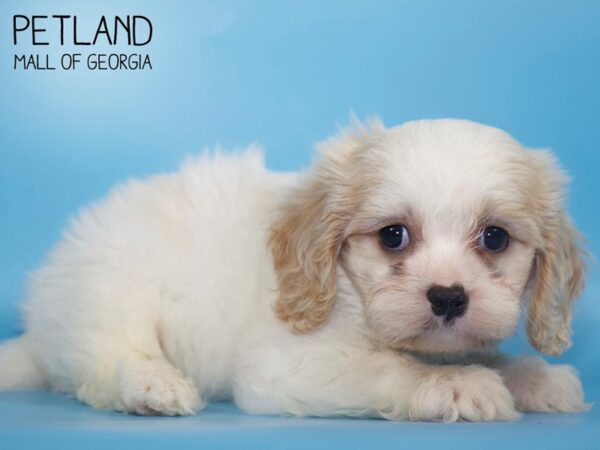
(376, 284)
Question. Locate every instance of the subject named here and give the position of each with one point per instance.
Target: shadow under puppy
(334, 292)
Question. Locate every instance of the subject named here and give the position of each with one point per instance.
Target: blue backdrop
(285, 74)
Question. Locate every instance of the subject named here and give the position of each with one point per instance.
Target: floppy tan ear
(559, 268)
(305, 242)
(308, 233)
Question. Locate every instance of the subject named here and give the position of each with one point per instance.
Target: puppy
(376, 285)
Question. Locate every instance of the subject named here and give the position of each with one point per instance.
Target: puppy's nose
(450, 301)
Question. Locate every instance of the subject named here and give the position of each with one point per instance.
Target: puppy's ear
(308, 233)
(559, 268)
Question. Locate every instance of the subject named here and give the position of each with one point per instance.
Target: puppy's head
(443, 227)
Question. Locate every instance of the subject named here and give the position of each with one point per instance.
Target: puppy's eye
(394, 237)
(494, 239)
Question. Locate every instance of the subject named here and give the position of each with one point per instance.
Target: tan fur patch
(307, 236)
(559, 266)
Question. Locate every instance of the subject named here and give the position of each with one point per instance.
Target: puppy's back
(179, 255)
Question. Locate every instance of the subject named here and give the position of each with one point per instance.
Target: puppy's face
(444, 228)
(442, 246)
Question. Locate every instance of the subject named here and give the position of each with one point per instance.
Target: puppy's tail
(18, 368)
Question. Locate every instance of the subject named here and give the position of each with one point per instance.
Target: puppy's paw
(468, 393)
(540, 387)
(158, 391)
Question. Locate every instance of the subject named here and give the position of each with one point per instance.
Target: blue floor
(39, 419)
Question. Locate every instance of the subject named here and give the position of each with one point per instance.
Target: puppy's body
(176, 265)
(166, 294)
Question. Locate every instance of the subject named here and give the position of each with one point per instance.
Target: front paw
(540, 387)
(470, 393)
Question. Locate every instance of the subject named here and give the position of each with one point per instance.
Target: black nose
(450, 301)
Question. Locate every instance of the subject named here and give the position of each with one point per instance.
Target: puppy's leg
(137, 380)
(354, 382)
(539, 386)
(152, 386)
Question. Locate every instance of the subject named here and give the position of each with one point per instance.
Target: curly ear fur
(307, 236)
(558, 267)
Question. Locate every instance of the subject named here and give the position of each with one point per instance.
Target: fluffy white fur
(224, 280)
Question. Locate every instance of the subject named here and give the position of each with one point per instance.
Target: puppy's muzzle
(448, 302)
